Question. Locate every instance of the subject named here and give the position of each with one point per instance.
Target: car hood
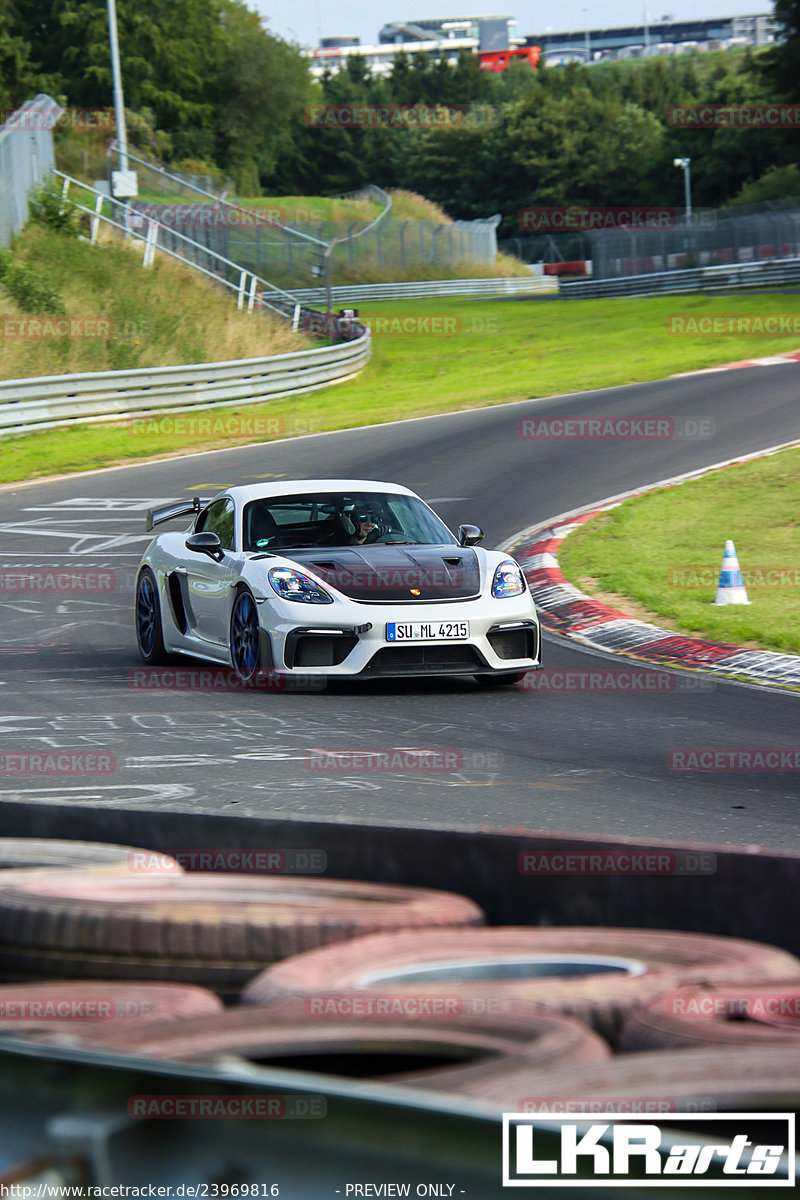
(382, 573)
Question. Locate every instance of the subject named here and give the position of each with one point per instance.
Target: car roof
(293, 487)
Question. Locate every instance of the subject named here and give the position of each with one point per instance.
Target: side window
(218, 519)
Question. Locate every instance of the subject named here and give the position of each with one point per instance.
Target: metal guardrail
(54, 400)
(353, 293)
(47, 402)
(697, 279)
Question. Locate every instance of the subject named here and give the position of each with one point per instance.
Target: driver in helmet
(366, 529)
(362, 525)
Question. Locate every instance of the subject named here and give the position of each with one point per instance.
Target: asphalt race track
(583, 761)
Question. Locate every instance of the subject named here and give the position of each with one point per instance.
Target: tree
(17, 73)
(260, 94)
(782, 61)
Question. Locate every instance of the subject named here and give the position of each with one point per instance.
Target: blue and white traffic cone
(731, 589)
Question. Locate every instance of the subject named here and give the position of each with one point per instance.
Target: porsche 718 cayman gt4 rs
(336, 578)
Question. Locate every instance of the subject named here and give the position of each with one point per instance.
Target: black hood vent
(384, 573)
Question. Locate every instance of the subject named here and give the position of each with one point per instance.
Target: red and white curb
(772, 360)
(565, 609)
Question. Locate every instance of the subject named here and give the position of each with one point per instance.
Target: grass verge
(123, 317)
(433, 356)
(659, 555)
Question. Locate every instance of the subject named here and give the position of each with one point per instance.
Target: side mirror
(205, 543)
(470, 535)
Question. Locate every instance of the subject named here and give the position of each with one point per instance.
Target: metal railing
(355, 293)
(769, 273)
(47, 402)
(157, 237)
(50, 401)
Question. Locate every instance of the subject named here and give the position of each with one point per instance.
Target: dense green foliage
(28, 286)
(211, 84)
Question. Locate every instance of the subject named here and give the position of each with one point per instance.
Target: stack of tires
(397, 985)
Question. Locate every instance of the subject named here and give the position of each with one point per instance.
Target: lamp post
(116, 74)
(687, 184)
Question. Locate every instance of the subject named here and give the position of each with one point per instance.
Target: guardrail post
(98, 204)
(240, 290)
(296, 318)
(251, 299)
(150, 243)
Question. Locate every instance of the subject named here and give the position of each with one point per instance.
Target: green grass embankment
(480, 353)
(658, 556)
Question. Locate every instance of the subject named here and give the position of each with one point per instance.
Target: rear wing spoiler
(167, 512)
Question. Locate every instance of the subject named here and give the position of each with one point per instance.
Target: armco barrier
(53, 400)
(355, 293)
(698, 279)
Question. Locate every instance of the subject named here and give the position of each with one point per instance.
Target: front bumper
(348, 639)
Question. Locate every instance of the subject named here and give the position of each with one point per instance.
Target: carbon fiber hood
(408, 573)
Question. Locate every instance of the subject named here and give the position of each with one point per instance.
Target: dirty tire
(717, 1015)
(399, 1050)
(755, 1079)
(496, 965)
(33, 1007)
(236, 923)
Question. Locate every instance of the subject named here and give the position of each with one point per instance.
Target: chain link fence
(710, 238)
(26, 157)
(297, 253)
(707, 238)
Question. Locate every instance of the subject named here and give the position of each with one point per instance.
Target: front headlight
(293, 585)
(508, 581)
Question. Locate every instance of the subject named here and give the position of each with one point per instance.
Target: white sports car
(336, 578)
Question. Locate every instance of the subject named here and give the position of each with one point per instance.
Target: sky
(305, 21)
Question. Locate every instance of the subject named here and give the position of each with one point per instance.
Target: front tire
(245, 637)
(149, 631)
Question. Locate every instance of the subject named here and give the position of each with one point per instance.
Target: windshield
(341, 519)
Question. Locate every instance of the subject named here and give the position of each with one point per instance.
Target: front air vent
(318, 648)
(514, 642)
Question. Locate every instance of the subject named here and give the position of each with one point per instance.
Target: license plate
(427, 631)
